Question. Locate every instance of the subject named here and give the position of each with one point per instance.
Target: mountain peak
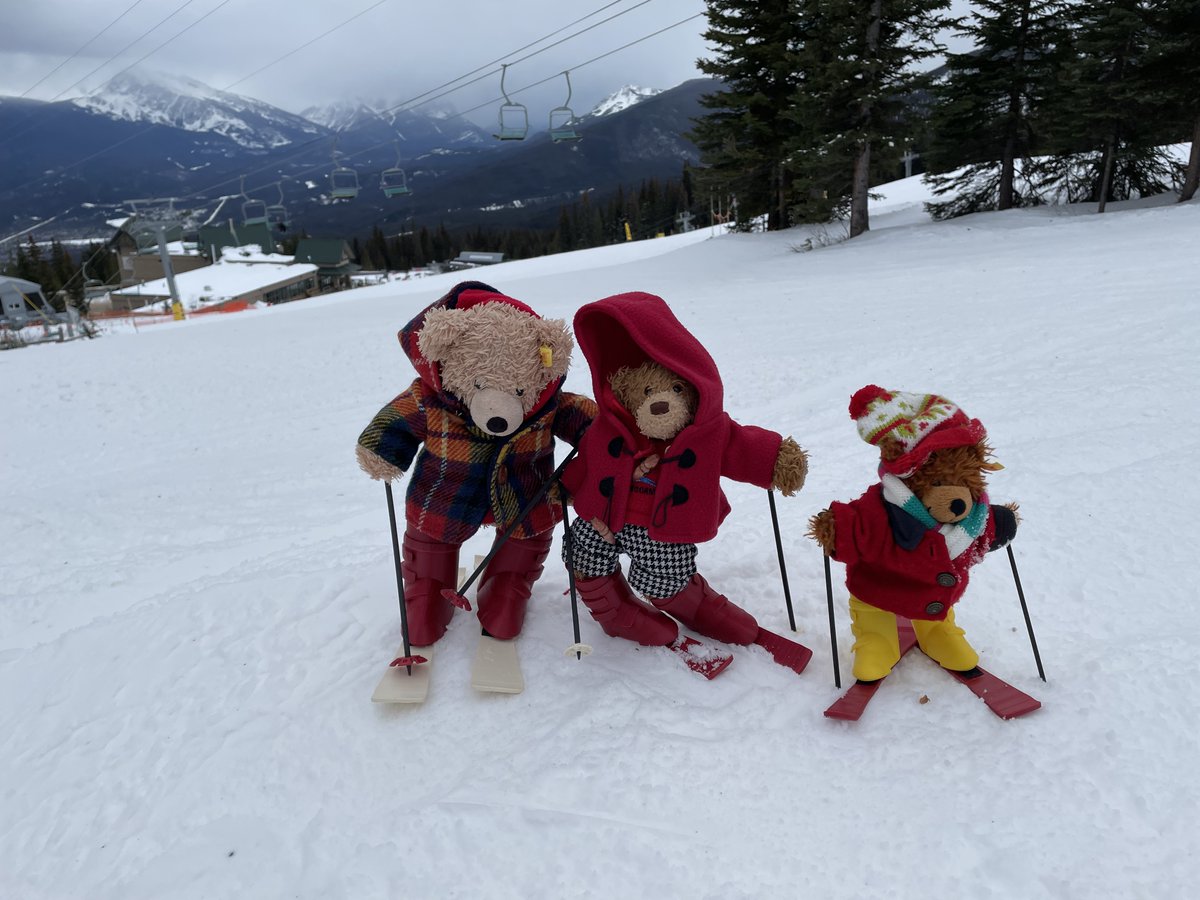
(159, 98)
(624, 98)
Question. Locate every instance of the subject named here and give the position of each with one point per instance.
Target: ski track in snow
(197, 598)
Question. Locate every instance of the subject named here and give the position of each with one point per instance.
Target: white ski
(497, 668)
(398, 686)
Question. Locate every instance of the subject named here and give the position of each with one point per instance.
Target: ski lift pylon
(254, 212)
(562, 118)
(514, 117)
(393, 181)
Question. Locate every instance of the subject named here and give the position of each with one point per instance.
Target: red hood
(629, 329)
(462, 296)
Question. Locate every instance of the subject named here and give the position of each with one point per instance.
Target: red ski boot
(620, 613)
(429, 566)
(702, 609)
(507, 582)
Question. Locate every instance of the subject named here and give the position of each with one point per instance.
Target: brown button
(935, 608)
(947, 579)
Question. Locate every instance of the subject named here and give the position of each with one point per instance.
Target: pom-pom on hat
(908, 427)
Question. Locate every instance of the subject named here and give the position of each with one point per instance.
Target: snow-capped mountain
(626, 97)
(340, 114)
(181, 102)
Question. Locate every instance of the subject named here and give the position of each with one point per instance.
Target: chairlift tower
(154, 217)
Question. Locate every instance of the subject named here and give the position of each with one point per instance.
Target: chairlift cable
(83, 46)
(302, 148)
(204, 194)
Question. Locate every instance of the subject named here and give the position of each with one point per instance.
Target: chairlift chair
(514, 117)
(343, 183)
(393, 181)
(562, 119)
(277, 214)
(254, 212)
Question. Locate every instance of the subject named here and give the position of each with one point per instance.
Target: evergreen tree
(1173, 75)
(742, 140)
(1106, 120)
(985, 121)
(856, 64)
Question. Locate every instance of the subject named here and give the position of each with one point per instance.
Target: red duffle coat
(919, 583)
(689, 505)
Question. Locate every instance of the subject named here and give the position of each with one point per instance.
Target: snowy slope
(197, 597)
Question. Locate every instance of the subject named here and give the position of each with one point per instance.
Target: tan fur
(496, 346)
(791, 468)
(821, 529)
(376, 466)
(640, 389)
(962, 468)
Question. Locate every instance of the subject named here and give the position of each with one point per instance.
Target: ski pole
(569, 551)
(837, 672)
(1037, 657)
(407, 660)
(787, 591)
(456, 597)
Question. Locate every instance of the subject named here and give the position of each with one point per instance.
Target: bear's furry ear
(890, 448)
(555, 344)
(619, 382)
(440, 331)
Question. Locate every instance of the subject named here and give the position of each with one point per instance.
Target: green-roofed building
(214, 238)
(333, 258)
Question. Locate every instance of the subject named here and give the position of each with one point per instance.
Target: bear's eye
(520, 392)
(677, 388)
(649, 390)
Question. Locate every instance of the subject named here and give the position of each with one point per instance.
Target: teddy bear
(909, 542)
(646, 482)
(478, 426)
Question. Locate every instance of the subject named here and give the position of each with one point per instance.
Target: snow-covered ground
(197, 598)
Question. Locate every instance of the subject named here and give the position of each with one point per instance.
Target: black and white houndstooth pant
(656, 569)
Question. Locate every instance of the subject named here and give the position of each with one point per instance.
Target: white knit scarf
(958, 536)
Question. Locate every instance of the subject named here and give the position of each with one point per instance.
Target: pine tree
(1173, 77)
(1107, 118)
(742, 140)
(985, 118)
(856, 65)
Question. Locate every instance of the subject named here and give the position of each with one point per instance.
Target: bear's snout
(660, 408)
(496, 412)
(948, 503)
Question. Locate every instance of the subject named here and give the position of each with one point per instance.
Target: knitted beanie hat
(917, 423)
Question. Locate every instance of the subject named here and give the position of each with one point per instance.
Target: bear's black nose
(958, 507)
(660, 407)
(496, 424)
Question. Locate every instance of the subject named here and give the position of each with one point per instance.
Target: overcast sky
(393, 51)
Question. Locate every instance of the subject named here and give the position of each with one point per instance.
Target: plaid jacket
(464, 477)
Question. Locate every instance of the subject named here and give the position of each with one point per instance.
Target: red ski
(851, 704)
(1001, 697)
(783, 650)
(706, 660)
